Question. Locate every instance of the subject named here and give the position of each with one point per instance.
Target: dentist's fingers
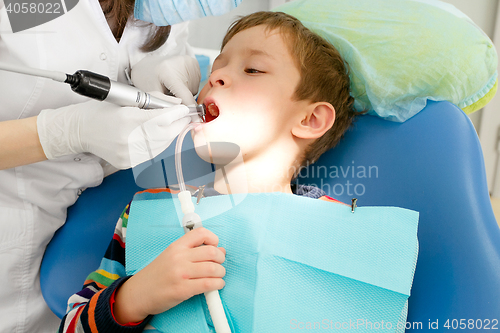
(166, 118)
(149, 139)
(167, 98)
(181, 76)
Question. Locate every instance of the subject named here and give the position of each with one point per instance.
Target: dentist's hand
(179, 75)
(123, 136)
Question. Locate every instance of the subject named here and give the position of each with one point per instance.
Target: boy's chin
(218, 153)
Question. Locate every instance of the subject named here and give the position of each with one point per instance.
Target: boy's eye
(252, 71)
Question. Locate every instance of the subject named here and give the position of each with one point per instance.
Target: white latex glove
(179, 75)
(110, 131)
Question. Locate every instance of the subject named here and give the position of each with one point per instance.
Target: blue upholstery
(431, 163)
(79, 245)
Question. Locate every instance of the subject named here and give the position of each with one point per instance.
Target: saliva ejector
(102, 88)
(191, 221)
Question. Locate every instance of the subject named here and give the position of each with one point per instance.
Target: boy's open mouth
(212, 112)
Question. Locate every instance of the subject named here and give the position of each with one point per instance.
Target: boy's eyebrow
(251, 52)
(255, 52)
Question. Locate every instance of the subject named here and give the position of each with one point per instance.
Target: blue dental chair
(431, 163)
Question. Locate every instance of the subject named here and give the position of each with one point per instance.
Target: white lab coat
(34, 198)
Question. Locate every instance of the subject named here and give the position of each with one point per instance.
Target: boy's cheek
(203, 93)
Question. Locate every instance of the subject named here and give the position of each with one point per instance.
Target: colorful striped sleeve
(89, 310)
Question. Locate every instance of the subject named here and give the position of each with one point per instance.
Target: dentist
(55, 143)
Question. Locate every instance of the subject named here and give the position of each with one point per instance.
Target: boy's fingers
(200, 236)
(205, 270)
(207, 253)
(200, 286)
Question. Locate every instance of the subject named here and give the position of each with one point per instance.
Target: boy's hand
(183, 270)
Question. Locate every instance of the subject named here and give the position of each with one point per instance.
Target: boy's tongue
(212, 112)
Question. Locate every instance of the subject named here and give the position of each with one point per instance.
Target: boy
(279, 92)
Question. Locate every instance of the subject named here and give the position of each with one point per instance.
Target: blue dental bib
(292, 262)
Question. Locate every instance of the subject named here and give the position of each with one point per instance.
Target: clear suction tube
(214, 302)
(178, 149)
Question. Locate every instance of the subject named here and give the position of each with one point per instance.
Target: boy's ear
(318, 120)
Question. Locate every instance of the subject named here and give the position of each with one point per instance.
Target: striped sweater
(90, 310)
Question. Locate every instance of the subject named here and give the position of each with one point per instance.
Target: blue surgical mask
(168, 12)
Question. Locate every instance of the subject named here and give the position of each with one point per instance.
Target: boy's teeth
(213, 109)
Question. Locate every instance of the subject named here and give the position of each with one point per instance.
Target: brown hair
(324, 74)
(121, 11)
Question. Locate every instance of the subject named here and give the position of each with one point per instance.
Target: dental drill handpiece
(100, 87)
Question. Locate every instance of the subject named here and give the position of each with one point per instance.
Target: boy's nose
(219, 82)
(218, 79)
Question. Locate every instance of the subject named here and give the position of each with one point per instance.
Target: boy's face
(250, 89)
